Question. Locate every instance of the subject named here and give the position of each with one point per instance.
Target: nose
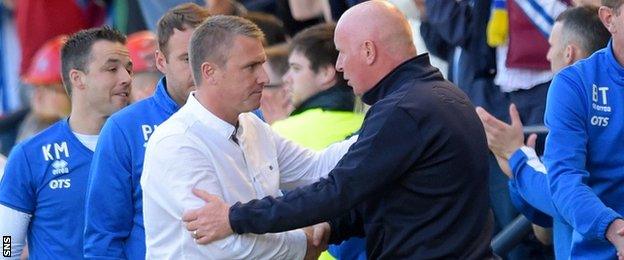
(125, 77)
(263, 78)
(339, 64)
(287, 78)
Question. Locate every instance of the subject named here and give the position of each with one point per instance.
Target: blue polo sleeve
(529, 176)
(18, 187)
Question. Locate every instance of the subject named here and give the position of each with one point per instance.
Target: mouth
(123, 94)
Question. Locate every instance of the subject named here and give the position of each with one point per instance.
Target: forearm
(15, 225)
(300, 166)
(285, 245)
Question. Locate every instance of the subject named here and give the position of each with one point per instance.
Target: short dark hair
(271, 26)
(213, 39)
(76, 52)
(277, 57)
(181, 17)
(582, 25)
(316, 43)
(615, 4)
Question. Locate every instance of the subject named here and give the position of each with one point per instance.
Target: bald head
(378, 21)
(375, 37)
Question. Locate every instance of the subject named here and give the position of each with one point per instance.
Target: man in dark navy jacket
(415, 182)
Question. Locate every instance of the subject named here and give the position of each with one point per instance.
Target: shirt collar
(417, 67)
(616, 69)
(163, 99)
(207, 118)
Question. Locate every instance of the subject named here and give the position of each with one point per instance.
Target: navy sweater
(415, 182)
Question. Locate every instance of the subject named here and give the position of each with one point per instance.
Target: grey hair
(213, 39)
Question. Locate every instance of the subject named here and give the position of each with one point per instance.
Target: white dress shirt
(194, 149)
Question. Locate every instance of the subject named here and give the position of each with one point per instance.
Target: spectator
(323, 102)
(142, 46)
(276, 101)
(49, 101)
(42, 191)
(421, 145)
(270, 25)
(114, 227)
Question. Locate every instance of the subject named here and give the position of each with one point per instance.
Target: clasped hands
(211, 222)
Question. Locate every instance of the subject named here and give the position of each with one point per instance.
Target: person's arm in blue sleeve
(109, 204)
(18, 189)
(529, 176)
(17, 200)
(362, 172)
(532, 214)
(565, 158)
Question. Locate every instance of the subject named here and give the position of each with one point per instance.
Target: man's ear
(606, 15)
(327, 76)
(369, 52)
(78, 79)
(570, 54)
(161, 61)
(209, 72)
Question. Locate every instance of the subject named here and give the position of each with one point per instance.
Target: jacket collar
(615, 68)
(339, 97)
(162, 98)
(415, 67)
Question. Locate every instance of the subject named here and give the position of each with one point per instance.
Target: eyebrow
(255, 62)
(111, 60)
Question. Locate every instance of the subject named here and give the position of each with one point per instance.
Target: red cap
(45, 68)
(142, 46)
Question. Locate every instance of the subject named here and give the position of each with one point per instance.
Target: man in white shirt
(212, 143)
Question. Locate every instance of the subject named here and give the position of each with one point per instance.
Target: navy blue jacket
(414, 183)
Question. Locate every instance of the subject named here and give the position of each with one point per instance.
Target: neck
(179, 99)
(618, 52)
(216, 108)
(383, 69)
(82, 120)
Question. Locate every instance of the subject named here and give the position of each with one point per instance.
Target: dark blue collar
(412, 68)
(162, 98)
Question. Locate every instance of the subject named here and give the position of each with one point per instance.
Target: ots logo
(599, 121)
(60, 184)
(60, 167)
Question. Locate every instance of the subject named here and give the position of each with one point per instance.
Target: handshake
(317, 237)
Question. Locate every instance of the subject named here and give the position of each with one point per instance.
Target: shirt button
(271, 167)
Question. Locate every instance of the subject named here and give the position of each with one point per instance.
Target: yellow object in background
(498, 26)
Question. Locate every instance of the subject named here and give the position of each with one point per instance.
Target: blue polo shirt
(46, 177)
